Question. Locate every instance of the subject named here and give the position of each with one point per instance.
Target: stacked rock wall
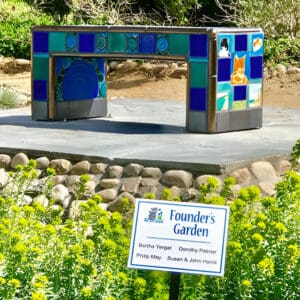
(115, 182)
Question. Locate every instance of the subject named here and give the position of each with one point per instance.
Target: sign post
(179, 237)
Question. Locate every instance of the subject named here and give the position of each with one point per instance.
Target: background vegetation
(279, 19)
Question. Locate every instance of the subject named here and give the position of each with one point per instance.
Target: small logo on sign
(155, 215)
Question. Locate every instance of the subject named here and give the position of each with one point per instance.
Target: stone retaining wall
(114, 182)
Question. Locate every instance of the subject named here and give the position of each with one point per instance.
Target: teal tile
(179, 44)
(117, 42)
(198, 75)
(41, 68)
(57, 42)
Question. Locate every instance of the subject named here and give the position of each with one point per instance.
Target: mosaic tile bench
(225, 71)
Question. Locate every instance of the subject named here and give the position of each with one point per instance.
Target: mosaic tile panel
(162, 44)
(57, 42)
(40, 42)
(147, 43)
(132, 43)
(241, 42)
(40, 69)
(240, 68)
(72, 42)
(198, 74)
(116, 42)
(101, 43)
(179, 44)
(198, 45)
(86, 42)
(79, 78)
(198, 97)
(40, 90)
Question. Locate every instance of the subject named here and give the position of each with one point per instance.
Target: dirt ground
(281, 90)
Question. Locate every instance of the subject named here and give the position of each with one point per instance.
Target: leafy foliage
(282, 50)
(44, 256)
(16, 20)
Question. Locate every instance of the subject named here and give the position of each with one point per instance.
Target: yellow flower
(2, 257)
(110, 245)
(2, 280)
(14, 283)
(140, 285)
(116, 217)
(86, 292)
(16, 237)
(15, 209)
(38, 296)
(246, 283)
(266, 265)
(23, 222)
(50, 229)
(293, 250)
(108, 275)
(122, 278)
(20, 248)
(279, 228)
(246, 226)
(257, 237)
(6, 222)
(261, 216)
(261, 225)
(234, 247)
(28, 209)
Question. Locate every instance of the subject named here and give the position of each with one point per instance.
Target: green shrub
(16, 20)
(282, 50)
(8, 98)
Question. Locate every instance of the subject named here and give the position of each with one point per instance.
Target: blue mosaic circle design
(162, 44)
(71, 41)
(132, 43)
(101, 42)
(80, 81)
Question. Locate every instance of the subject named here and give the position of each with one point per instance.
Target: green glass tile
(116, 42)
(57, 42)
(41, 68)
(198, 75)
(179, 44)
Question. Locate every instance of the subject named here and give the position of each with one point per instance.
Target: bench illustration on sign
(225, 70)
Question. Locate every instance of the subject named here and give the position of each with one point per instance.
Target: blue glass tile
(147, 43)
(132, 42)
(198, 45)
(198, 99)
(40, 90)
(256, 67)
(86, 42)
(241, 42)
(240, 92)
(162, 44)
(225, 45)
(71, 42)
(101, 43)
(57, 42)
(224, 69)
(256, 44)
(40, 42)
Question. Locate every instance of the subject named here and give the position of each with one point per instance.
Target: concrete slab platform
(152, 133)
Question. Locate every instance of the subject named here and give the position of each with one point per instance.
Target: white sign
(179, 237)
